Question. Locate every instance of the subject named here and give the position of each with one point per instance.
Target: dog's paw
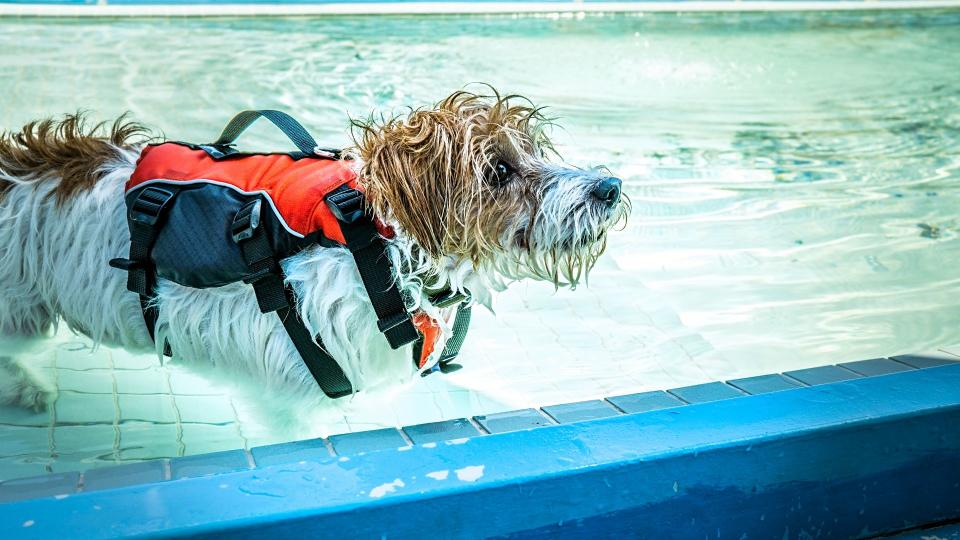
(22, 386)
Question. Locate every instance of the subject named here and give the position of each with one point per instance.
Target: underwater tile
(18, 416)
(441, 431)
(764, 384)
(367, 441)
(93, 381)
(290, 452)
(205, 409)
(183, 382)
(46, 485)
(703, 393)
(512, 420)
(645, 401)
(82, 357)
(580, 411)
(143, 440)
(203, 438)
(128, 474)
(876, 366)
(156, 408)
(91, 440)
(927, 359)
(822, 375)
(20, 440)
(123, 360)
(207, 464)
(77, 408)
(144, 381)
(19, 467)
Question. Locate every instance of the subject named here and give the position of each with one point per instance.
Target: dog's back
(65, 152)
(61, 219)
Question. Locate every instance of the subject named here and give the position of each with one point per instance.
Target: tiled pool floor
(539, 349)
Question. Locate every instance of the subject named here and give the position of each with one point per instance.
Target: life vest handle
(294, 131)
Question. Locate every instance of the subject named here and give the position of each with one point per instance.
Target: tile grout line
(236, 417)
(52, 415)
(404, 436)
(329, 446)
(117, 413)
(796, 380)
(480, 428)
(181, 447)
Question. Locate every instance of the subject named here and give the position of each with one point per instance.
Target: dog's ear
(425, 171)
(404, 161)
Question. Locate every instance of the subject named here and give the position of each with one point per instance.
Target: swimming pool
(793, 178)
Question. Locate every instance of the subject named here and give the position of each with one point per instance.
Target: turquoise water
(794, 178)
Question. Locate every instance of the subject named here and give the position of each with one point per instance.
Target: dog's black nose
(607, 190)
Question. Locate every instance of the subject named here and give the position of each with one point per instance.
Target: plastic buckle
(346, 204)
(449, 298)
(149, 204)
(246, 221)
(126, 264)
(328, 153)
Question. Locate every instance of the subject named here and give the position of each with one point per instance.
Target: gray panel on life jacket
(195, 246)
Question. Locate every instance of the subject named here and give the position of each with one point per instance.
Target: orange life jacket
(208, 215)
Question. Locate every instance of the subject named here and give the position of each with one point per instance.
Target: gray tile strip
(125, 475)
(48, 485)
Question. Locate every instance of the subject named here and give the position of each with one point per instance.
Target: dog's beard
(566, 237)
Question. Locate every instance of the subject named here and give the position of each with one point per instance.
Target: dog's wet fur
(472, 187)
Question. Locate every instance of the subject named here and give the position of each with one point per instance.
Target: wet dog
(471, 187)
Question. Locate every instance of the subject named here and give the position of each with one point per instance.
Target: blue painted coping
(847, 459)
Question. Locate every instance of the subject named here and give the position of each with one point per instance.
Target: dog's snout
(607, 190)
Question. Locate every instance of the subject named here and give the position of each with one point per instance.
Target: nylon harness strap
(145, 217)
(267, 280)
(369, 252)
(297, 134)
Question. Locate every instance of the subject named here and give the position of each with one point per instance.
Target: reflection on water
(794, 176)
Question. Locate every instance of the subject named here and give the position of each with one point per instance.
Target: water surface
(794, 178)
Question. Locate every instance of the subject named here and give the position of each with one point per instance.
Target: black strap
(294, 131)
(144, 218)
(460, 326)
(324, 368)
(266, 277)
(369, 252)
(264, 271)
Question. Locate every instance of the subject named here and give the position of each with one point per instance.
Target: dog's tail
(66, 151)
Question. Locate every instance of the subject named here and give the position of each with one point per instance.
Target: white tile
(157, 408)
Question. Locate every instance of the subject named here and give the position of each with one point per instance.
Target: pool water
(794, 179)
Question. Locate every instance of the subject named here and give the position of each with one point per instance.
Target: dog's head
(472, 179)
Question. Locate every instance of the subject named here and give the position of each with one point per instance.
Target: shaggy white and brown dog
(467, 185)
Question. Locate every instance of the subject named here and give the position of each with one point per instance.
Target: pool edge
(856, 442)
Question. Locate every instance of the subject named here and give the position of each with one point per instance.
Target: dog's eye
(501, 173)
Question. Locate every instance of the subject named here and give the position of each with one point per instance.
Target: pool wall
(207, 8)
(854, 450)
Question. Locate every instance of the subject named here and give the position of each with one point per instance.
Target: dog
(472, 188)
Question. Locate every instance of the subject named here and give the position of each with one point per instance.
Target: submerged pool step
(462, 428)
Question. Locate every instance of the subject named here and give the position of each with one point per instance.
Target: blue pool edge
(871, 447)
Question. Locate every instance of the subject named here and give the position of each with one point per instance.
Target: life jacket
(207, 215)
